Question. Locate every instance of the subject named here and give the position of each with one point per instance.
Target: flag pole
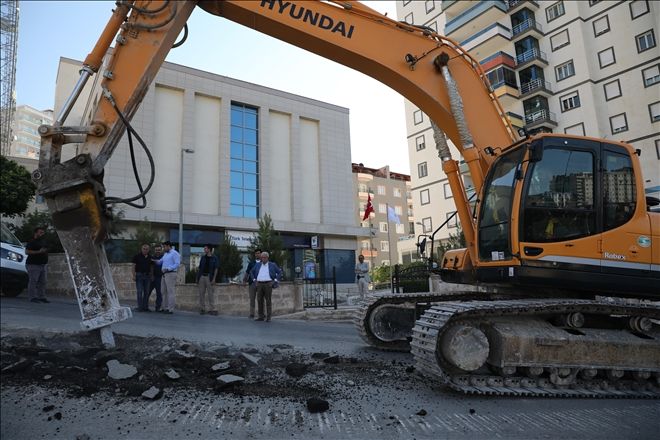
(389, 244)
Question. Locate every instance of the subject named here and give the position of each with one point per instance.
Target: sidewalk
(343, 313)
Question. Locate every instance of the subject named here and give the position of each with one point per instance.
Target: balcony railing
(535, 85)
(539, 116)
(511, 4)
(532, 54)
(530, 23)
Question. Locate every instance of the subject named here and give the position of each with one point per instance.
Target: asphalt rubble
(152, 368)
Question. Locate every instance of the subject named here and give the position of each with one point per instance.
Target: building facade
(245, 151)
(392, 219)
(26, 141)
(576, 67)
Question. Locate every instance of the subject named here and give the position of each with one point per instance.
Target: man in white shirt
(266, 275)
(362, 275)
(170, 265)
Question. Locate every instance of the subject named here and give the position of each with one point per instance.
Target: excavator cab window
(495, 214)
(558, 202)
(619, 191)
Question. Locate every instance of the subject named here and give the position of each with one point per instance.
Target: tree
(16, 188)
(455, 241)
(267, 239)
(381, 274)
(144, 234)
(42, 219)
(116, 224)
(231, 261)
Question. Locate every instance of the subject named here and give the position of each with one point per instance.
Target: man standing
(266, 275)
(252, 286)
(142, 276)
(37, 259)
(208, 269)
(156, 278)
(169, 264)
(362, 275)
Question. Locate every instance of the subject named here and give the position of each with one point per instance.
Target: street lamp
(190, 151)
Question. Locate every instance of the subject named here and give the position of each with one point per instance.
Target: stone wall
(230, 299)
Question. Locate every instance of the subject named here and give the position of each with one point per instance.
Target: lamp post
(180, 249)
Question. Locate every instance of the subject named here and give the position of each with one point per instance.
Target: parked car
(14, 276)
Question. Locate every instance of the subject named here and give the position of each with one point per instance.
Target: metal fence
(320, 292)
(411, 279)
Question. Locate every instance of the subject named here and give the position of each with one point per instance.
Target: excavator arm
(432, 71)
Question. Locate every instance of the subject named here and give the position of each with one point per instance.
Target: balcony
(531, 56)
(474, 19)
(540, 118)
(487, 41)
(506, 94)
(455, 7)
(514, 5)
(527, 27)
(536, 87)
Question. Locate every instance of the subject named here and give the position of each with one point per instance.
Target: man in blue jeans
(142, 270)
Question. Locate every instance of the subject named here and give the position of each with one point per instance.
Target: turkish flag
(369, 209)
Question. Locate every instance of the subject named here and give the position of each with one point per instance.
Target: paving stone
(171, 374)
(220, 366)
(228, 379)
(118, 371)
(252, 359)
(153, 393)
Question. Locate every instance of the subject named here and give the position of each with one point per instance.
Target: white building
(256, 151)
(579, 67)
(26, 142)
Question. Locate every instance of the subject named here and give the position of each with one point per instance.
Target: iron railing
(530, 23)
(535, 85)
(529, 55)
(320, 292)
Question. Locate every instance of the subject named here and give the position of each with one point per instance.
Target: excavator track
(411, 305)
(442, 322)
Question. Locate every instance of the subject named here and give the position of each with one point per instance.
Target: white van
(14, 276)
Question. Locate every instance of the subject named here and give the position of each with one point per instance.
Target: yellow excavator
(560, 227)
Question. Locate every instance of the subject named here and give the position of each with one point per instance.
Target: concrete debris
(220, 366)
(171, 374)
(184, 354)
(422, 412)
(350, 383)
(48, 377)
(295, 369)
(153, 393)
(228, 379)
(252, 359)
(17, 366)
(118, 371)
(316, 405)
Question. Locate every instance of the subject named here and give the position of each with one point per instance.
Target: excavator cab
(565, 212)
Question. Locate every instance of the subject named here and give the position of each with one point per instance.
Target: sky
(51, 29)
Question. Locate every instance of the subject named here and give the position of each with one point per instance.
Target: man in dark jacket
(206, 273)
(266, 275)
(252, 286)
(37, 260)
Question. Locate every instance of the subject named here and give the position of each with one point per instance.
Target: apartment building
(26, 141)
(389, 192)
(235, 151)
(577, 67)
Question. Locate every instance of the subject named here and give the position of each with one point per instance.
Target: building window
(651, 75)
(657, 148)
(417, 117)
(560, 40)
(364, 244)
(434, 26)
(405, 2)
(654, 111)
(400, 229)
(422, 170)
(447, 191)
(396, 192)
(619, 192)
(645, 41)
(409, 18)
(601, 26)
(612, 90)
(453, 223)
(577, 129)
(606, 57)
(429, 5)
(502, 76)
(638, 8)
(618, 123)
(381, 190)
(593, 2)
(565, 70)
(382, 208)
(385, 246)
(398, 210)
(427, 225)
(38, 199)
(570, 101)
(419, 142)
(424, 197)
(383, 226)
(554, 11)
(244, 177)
